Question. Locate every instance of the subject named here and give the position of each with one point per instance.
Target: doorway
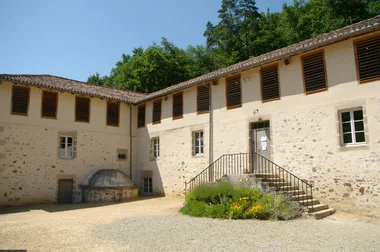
(65, 191)
(260, 144)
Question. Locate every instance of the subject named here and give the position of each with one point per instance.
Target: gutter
(130, 142)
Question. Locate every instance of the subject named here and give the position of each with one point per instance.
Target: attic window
(178, 106)
(233, 90)
(314, 72)
(141, 116)
(49, 104)
(270, 89)
(20, 100)
(113, 113)
(368, 59)
(203, 99)
(157, 111)
(82, 109)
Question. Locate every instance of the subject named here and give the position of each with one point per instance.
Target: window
(203, 99)
(82, 109)
(270, 89)
(113, 110)
(233, 92)
(314, 72)
(198, 143)
(260, 125)
(368, 59)
(20, 100)
(121, 156)
(141, 116)
(157, 112)
(148, 188)
(178, 106)
(66, 147)
(155, 148)
(49, 104)
(352, 127)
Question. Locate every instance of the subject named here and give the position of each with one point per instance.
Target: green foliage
(225, 201)
(242, 32)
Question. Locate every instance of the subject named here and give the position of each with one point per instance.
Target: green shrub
(222, 200)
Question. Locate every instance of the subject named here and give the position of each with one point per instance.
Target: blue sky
(76, 38)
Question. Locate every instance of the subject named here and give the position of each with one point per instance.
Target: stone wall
(110, 194)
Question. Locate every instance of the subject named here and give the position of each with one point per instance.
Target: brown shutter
(368, 59)
(269, 83)
(20, 100)
(233, 89)
(82, 109)
(49, 104)
(203, 99)
(314, 72)
(178, 106)
(141, 116)
(157, 111)
(113, 110)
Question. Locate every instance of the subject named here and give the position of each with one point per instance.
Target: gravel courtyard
(153, 224)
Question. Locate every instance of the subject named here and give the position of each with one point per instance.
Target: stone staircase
(271, 182)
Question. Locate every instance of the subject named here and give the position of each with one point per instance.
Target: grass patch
(225, 201)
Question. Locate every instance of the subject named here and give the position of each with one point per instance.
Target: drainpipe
(130, 142)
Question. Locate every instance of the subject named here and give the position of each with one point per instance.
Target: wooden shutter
(314, 72)
(203, 99)
(233, 90)
(270, 89)
(20, 100)
(82, 109)
(178, 106)
(157, 111)
(113, 111)
(49, 104)
(141, 116)
(368, 59)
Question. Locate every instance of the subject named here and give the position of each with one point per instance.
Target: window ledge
(198, 156)
(154, 159)
(354, 147)
(66, 158)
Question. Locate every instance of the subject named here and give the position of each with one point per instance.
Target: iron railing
(274, 176)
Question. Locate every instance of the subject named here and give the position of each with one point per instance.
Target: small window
(314, 72)
(49, 104)
(352, 127)
(141, 116)
(260, 125)
(20, 100)
(203, 99)
(66, 147)
(233, 90)
(113, 110)
(155, 148)
(178, 106)
(148, 187)
(368, 59)
(157, 112)
(122, 156)
(270, 88)
(82, 109)
(198, 143)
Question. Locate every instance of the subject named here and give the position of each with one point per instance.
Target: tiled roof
(307, 45)
(73, 86)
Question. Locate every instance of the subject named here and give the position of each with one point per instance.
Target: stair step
(323, 213)
(287, 188)
(309, 202)
(301, 197)
(318, 207)
(278, 184)
(272, 180)
(294, 192)
(266, 175)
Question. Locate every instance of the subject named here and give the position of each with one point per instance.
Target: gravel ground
(155, 225)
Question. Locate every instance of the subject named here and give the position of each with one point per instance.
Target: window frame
(118, 114)
(200, 141)
(138, 115)
(155, 102)
(155, 143)
(66, 147)
(56, 104)
(181, 116)
(352, 125)
(303, 72)
(150, 185)
(89, 109)
(226, 90)
(355, 42)
(277, 65)
(28, 104)
(121, 159)
(208, 86)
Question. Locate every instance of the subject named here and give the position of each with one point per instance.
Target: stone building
(312, 108)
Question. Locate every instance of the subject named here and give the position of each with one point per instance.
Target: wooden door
(65, 191)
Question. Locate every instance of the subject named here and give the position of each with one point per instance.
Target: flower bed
(225, 201)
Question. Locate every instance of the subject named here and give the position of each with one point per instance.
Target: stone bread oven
(107, 185)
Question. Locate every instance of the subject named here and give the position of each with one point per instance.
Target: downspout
(130, 142)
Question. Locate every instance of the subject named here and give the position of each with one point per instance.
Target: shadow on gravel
(52, 208)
